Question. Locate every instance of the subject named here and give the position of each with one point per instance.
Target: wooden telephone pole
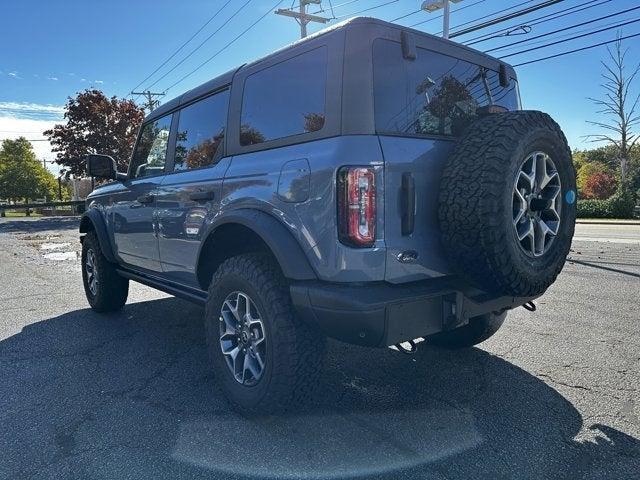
(301, 16)
(151, 103)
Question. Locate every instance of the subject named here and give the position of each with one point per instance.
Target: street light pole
(431, 6)
(445, 19)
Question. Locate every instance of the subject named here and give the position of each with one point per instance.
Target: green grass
(13, 214)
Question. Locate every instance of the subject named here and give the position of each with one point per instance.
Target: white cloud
(31, 110)
(14, 75)
(52, 78)
(83, 79)
(99, 81)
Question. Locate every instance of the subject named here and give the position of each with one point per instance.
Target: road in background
(555, 394)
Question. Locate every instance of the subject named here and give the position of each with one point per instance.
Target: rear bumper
(381, 314)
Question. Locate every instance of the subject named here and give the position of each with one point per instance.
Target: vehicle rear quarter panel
(252, 182)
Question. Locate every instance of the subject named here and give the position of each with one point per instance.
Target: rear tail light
(357, 206)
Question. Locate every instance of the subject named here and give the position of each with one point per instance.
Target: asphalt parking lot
(555, 394)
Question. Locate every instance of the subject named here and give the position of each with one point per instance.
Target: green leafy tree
(95, 124)
(22, 176)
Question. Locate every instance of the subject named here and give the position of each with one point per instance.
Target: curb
(585, 221)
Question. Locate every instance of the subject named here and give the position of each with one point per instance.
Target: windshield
(434, 94)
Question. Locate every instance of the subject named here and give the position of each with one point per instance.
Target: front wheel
(476, 331)
(106, 291)
(265, 359)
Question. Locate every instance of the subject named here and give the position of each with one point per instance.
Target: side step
(181, 291)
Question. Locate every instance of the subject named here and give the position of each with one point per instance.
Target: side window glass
(201, 132)
(285, 99)
(150, 155)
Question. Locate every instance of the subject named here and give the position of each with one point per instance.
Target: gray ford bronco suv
(370, 183)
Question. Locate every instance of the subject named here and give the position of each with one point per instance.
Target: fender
(286, 249)
(92, 218)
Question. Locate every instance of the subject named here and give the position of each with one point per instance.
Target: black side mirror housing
(102, 166)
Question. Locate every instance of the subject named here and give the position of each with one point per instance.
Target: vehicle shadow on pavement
(131, 395)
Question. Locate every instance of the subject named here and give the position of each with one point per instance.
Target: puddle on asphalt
(54, 246)
(61, 256)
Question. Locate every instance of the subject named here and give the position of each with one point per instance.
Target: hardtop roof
(226, 78)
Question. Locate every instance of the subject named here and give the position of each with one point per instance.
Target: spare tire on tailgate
(507, 203)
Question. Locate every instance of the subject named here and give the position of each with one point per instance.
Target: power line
(226, 22)
(479, 18)
(577, 50)
(367, 9)
(504, 18)
(438, 16)
(566, 35)
(184, 44)
(570, 27)
(322, 10)
(570, 39)
(536, 21)
(277, 4)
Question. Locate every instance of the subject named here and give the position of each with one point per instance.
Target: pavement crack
(564, 384)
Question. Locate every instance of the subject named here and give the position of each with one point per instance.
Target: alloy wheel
(536, 204)
(92, 272)
(242, 338)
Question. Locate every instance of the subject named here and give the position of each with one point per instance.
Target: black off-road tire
(295, 351)
(476, 203)
(112, 289)
(476, 331)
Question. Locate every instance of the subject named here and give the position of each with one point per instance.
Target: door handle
(145, 198)
(202, 195)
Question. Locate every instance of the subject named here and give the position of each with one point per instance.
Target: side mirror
(101, 166)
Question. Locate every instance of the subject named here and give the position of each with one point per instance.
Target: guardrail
(76, 205)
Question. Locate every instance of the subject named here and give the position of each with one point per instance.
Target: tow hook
(408, 348)
(529, 306)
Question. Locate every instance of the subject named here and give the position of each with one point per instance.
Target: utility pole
(151, 103)
(431, 6)
(301, 16)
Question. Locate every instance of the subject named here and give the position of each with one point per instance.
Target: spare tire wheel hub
(536, 204)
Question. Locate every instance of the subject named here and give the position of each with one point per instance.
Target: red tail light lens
(357, 206)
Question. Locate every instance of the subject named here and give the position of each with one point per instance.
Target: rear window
(285, 99)
(434, 94)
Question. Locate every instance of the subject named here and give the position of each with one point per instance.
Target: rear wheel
(106, 291)
(476, 331)
(265, 359)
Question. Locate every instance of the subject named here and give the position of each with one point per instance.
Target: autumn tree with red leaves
(95, 124)
(600, 186)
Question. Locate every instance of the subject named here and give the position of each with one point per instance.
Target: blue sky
(51, 49)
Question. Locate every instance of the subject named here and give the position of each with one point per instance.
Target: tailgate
(420, 162)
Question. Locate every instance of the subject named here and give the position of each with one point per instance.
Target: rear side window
(201, 132)
(285, 99)
(150, 154)
(434, 94)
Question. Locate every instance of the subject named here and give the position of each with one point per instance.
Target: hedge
(620, 205)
